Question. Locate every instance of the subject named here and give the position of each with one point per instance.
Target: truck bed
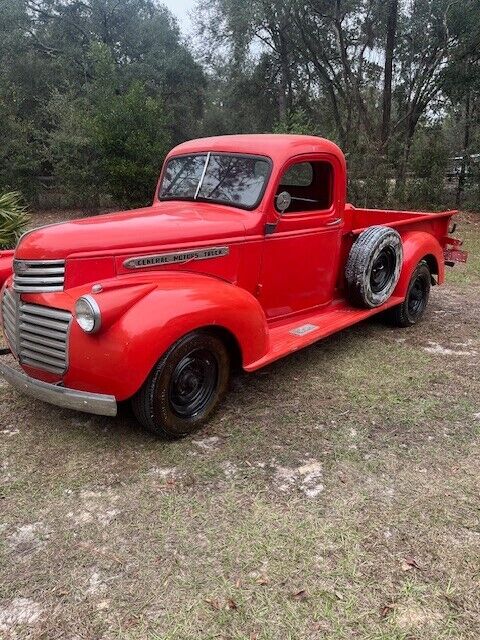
(357, 220)
(289, 334)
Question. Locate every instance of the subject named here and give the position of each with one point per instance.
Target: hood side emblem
(178, 257)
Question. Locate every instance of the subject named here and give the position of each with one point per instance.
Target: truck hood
(163, 224)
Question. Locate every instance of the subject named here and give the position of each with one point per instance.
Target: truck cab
(248, 252)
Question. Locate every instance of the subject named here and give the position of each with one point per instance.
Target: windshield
(218, 177)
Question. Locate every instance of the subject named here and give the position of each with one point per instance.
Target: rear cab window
(310, 185)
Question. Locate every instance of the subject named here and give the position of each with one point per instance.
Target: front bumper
(98, 404)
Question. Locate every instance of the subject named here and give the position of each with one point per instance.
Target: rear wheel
(413, 307)
(185, 386)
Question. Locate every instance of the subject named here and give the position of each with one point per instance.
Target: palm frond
(13, 219)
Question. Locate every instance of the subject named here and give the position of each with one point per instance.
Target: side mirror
(284, 200)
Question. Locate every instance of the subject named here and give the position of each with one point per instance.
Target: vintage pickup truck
(249, 252)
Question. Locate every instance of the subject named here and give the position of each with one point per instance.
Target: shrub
(13, 219)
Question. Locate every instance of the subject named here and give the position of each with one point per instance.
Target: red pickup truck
(249, 252)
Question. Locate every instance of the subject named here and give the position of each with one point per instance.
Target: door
(301, 251)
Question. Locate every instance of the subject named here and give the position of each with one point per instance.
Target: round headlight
(87, 314)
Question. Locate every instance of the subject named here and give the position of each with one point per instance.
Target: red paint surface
(6, 259)
(265, 287)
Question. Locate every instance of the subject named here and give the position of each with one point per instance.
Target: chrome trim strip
(30, 289)
(177, 257)
(98, 404)
(39, 263)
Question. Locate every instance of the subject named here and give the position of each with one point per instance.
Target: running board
(295, 334)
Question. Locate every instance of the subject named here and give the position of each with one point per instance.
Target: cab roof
(278, 147)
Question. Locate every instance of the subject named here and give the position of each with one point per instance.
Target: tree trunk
(388, 71)
(401, 181)
(466, 146)
(285, 100)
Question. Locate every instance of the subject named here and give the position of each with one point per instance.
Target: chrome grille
(38, 336)
(38, 276)
(10, 319)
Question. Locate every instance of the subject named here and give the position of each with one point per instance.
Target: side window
(310, 185)
(299, 175)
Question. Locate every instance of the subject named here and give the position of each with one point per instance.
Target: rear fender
(119, 359)
(6, 265)
(417, 246)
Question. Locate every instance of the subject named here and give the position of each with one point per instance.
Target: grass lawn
(335, 495)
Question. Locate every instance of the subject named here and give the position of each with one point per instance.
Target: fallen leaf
(300, 595)
(231, 604)
(131, 622)
(215, 604)
(387, 609)
(410, 563)
(263, 580)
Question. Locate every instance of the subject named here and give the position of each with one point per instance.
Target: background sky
(180, 9)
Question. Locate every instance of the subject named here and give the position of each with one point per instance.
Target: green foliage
(107, 142)
(94, 92)
(369, 183)
(132, 135)
(85, 89)
(296, 122)
(429, 164)
(74, 156)
(13, 219)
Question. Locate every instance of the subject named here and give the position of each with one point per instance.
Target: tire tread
(358, 259)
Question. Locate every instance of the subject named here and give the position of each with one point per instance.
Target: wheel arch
(177, 305)
(432, 264)
(230, 340)
(418, 246)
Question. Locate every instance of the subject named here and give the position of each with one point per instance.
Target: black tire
(373, 266)
(413, 307)
(185, 387)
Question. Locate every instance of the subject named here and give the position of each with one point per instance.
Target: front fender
(6, 265)
(418, 245)
(118, 359)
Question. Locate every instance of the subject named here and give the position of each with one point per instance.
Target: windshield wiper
(204, 172)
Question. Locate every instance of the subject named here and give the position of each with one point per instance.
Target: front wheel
(185, 386)
(413, 307)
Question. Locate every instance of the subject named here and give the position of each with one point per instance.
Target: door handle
(334, 223)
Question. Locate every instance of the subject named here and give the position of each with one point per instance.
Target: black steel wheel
(193, 383)
(413, 307)
(382, 269)
(185, 387)
(373, 266)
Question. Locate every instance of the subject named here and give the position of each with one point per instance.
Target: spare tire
(373, 266)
